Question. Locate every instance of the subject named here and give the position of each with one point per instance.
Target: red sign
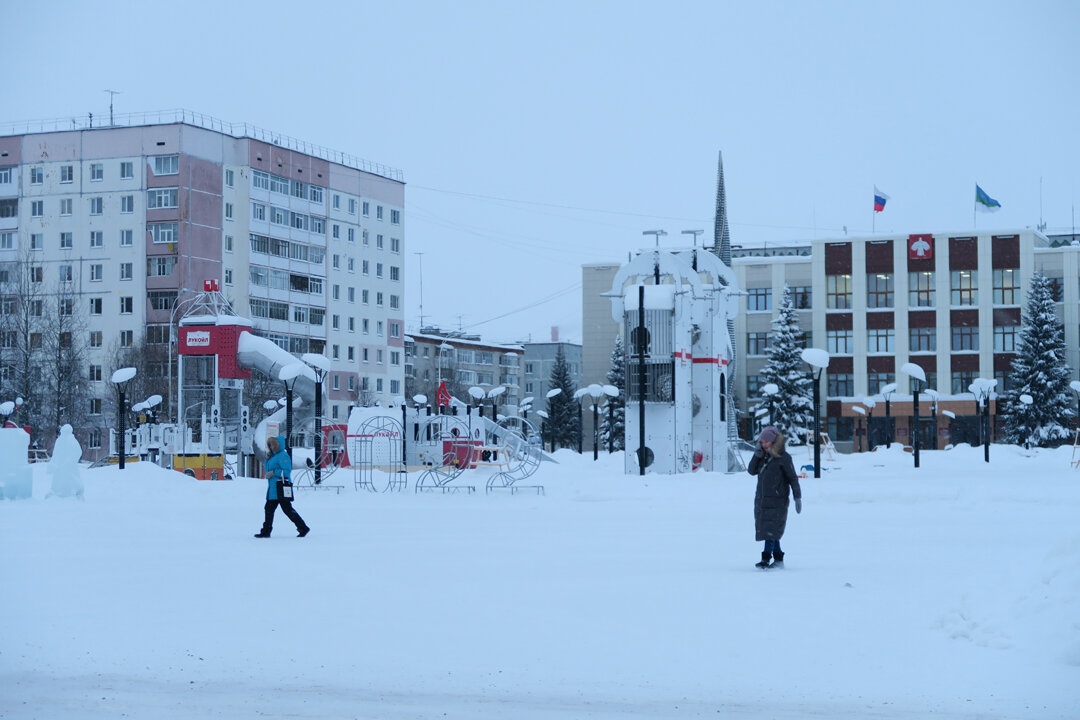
(920, 247)
(444, 394)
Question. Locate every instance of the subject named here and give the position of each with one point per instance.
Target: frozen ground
(948, 592)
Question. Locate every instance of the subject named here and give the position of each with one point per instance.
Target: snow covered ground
(951, 591)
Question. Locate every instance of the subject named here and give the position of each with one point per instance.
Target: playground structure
(217, 351)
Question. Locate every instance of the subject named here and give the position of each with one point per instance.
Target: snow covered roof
(459, 342)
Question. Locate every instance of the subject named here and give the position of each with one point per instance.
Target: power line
(554, 296)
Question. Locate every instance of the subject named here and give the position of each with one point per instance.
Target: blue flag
(984, 202)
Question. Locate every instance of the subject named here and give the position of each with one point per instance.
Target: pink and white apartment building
(133, 218)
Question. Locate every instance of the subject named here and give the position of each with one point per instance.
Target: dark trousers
(287, 508)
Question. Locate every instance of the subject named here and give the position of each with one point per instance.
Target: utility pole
(112, 94)
(420, 255)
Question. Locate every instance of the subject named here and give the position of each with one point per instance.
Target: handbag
(285, 490)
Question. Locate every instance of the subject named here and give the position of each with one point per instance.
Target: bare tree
(23, 322)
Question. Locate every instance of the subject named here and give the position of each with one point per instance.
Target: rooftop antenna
(695, 233)
(112, 94)
(657, 233)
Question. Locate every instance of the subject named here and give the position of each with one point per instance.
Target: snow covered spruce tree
(1039, 370)
(613, 427)
(562, 409)
(790, 409)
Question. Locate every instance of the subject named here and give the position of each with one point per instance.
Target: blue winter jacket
(281, 465)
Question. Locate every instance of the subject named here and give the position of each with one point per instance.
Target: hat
(768, 434)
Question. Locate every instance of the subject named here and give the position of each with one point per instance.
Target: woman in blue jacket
(279, 467)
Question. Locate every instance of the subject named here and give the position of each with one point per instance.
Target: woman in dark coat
(776, 480)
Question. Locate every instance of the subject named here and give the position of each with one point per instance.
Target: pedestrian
(776, 480)
(279, 469)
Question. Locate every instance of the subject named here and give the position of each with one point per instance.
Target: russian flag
(880, 199)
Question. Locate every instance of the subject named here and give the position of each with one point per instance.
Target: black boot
(302, 531)
(764, 561)
(262, 534)
(778, 561)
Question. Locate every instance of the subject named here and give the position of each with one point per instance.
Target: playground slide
(267, 357)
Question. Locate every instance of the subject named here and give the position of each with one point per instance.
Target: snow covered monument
(677, 309)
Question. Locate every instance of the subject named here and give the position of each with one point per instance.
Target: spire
(721, 236)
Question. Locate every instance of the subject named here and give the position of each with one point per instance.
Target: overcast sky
(538, 136)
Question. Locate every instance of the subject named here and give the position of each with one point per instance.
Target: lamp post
(612, 392)
(288, 375)
(119, 378)
(493, 395)
(543, 426)
(1074, 386)
(579, 396)
(695, 233)
(551, 428)
(657, 233)
(887, 393)
(870, 403)
(596, 392)
(819, 359)
(982, 388)
(858, 432)
(320, 365)
(918, 376)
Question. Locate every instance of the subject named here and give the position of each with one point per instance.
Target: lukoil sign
(198, 339)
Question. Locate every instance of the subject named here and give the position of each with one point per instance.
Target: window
(880, 340)
(364, 267)
(1057, 288)
(97, 205)
(37, 175)
(923, 339)
(127, 203)
(964, 287)
(335, 382)
(167, 165)
(378, 270)
(66, 306)
(127, 305)
(395, 302)
(352, 324)
(162, 198)
(228, 276)
(279, 216)
(95, 338)
(351, 234)
(37, 208)
(1005, 338)
(365, 236)
(335, 231)
(37, 241)
(335, 261)
(395, 273)
(801, 296)
(395, 217)
(95, 406)
(96, 275)
(379, 242)
(299, 189)
(127, 238)
(838, 341)
(961, 379)
(127, 338)
(365, 207)
(160, 265)
(395, 245)
(838, 292)
(95, 373)
(364, 295)
(352, 294)
(1006, 286)
(379, 357)
(395, 330)
(66, 240)
(126, 271)
(97, 172)
(229, 178)
(127, 170)
(7, 241)
(96, 303)
(756, 343)
(876, 381)
(352, 265)
(349, 352)
(65, 206)
(67, 173)
(378, 212)
(379, 299)
(839, 384)
(316, 194)
(965, 338)
(352, 206)
(365, 325)
(379, 328)
(163, 232)
(228, 243)
(921, 289)
(258, 211)
(228, 211)
(879, 290)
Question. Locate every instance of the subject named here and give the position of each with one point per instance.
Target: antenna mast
(112, 94)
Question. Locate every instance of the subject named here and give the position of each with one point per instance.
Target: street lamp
(657, 233)
(982, 388)
(858, 432)
(493, 395)
(119, 378)
(596, 392)
(695, 233)
(816, 358)
(612, 392)
(551, 429)
(917, 374)
(579, 395)
(887, 393)
(870, 403)
(320, 365)
(288, 375)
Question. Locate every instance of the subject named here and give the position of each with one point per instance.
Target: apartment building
(130, 219)
(462, 361)
(540, 361)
